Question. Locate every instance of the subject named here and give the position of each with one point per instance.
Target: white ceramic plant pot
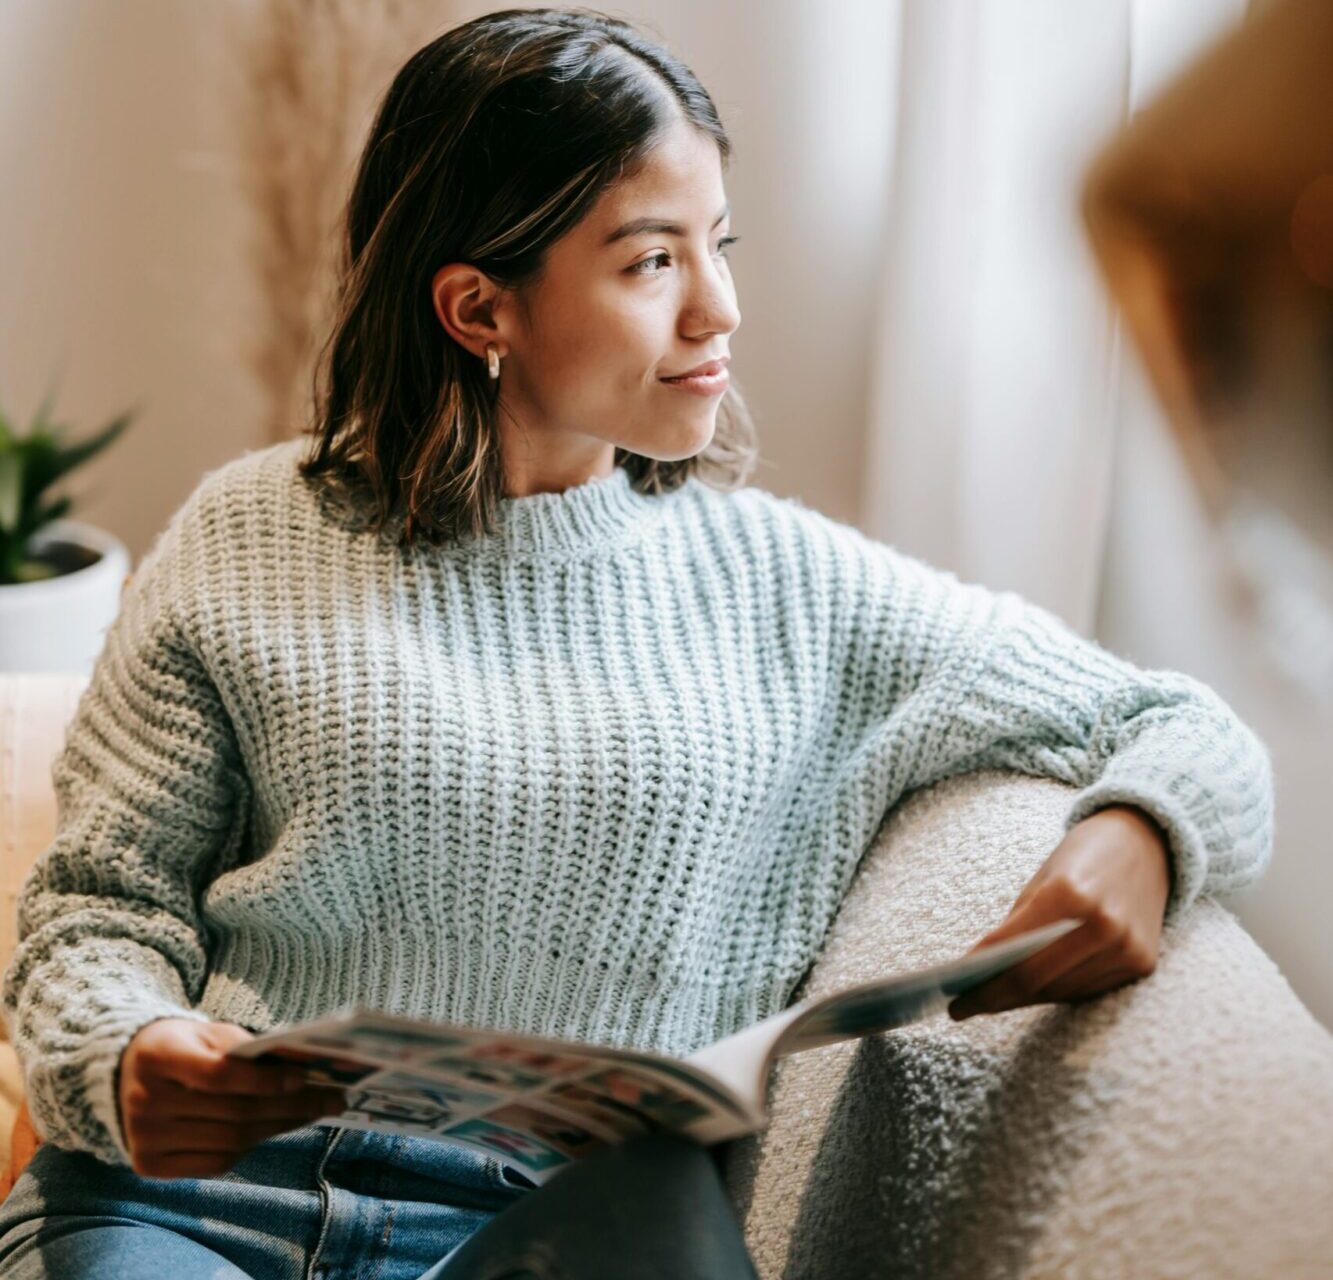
(59, 624)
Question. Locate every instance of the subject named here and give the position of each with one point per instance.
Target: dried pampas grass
(306, 77)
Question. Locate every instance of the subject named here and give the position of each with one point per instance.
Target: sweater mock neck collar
(598, 513)
(584, 516)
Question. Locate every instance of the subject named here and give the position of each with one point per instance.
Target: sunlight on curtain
(1012, 437)
(996, 381)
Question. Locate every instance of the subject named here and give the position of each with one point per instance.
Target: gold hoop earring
(492, 360)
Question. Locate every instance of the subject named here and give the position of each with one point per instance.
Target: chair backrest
(35, 711)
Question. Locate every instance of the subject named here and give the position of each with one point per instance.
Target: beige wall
(121, 268)
(124, 263)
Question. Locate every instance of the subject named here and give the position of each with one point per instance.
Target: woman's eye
(637, 268)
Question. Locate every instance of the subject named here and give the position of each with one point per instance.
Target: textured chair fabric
(1178, 1126)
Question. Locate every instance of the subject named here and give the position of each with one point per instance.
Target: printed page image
(384, 1041)
(321, 1067)
(538, 1133)
(515, 1147)
(419, 1116)
(509, 1065)
(418, 1105)
(575, 1099)
(564, 1135)
(456, 1095)
(658, 1101)
(532, 1103)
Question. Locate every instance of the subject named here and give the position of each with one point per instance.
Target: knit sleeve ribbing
(982, 679)
(148, 787)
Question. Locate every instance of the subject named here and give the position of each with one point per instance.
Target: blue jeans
(325, 1203)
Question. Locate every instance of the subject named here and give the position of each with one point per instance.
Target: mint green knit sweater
(604, 773)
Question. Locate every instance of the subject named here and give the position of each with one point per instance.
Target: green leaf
(11, 475)
(76, 454)
(40, 461)
(42, 421)
(42, 516)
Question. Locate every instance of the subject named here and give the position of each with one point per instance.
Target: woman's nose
(714, 308)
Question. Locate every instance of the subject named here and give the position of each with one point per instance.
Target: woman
(500, 709)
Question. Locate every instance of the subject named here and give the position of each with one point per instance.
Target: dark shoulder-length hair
(491, 143)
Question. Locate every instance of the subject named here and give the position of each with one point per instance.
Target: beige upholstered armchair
(1181, 1126)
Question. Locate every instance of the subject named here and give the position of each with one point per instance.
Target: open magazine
(537, 1104)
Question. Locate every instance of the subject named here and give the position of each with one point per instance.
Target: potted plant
(60, 580)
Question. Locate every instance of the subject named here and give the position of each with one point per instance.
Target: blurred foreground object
(1211, 214)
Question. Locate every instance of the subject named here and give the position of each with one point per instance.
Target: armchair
(1181, 1126)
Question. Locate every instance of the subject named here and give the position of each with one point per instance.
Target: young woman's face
(617, 310)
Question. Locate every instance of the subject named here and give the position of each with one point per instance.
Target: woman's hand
(189, 1111)
(1112, 872)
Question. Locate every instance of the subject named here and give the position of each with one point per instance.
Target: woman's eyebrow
(640, 225)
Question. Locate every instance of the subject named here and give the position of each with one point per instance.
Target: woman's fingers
(1101, 973)
(186, 1164)
(1020, 984)
(179, 1141)
(213, 1137)
(175, 1101)
(1055, 899)
(193, 1054)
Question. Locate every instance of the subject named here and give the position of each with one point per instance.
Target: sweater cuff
(104, 1048)
(1206, 778)
(1187, 858)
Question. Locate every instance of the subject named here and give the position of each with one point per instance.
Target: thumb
(1035, 881)
(1022, 916)
(260, 1074)
(224, 1036)
(195, 1054)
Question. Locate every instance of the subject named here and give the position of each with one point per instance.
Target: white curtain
(1012, 436)
(995, 396)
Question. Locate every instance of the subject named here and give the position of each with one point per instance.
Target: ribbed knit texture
(605, 773)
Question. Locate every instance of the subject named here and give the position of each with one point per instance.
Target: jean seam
(384, 1241)
(325, 1202)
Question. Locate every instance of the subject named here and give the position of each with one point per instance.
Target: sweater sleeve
(147, 789)
(969, 678)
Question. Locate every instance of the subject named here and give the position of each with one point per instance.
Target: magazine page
(742, 1061)
(534, 1103)
(896, 1002)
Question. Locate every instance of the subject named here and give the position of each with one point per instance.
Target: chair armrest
(1180, 1125)
(35, 713)
(12, 1105)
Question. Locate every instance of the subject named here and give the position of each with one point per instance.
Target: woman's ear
(464, 300)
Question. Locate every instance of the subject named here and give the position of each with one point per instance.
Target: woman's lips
(707, 384)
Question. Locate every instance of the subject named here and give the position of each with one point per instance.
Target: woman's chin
(678, 436)
(678, 454)
(692, 438)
